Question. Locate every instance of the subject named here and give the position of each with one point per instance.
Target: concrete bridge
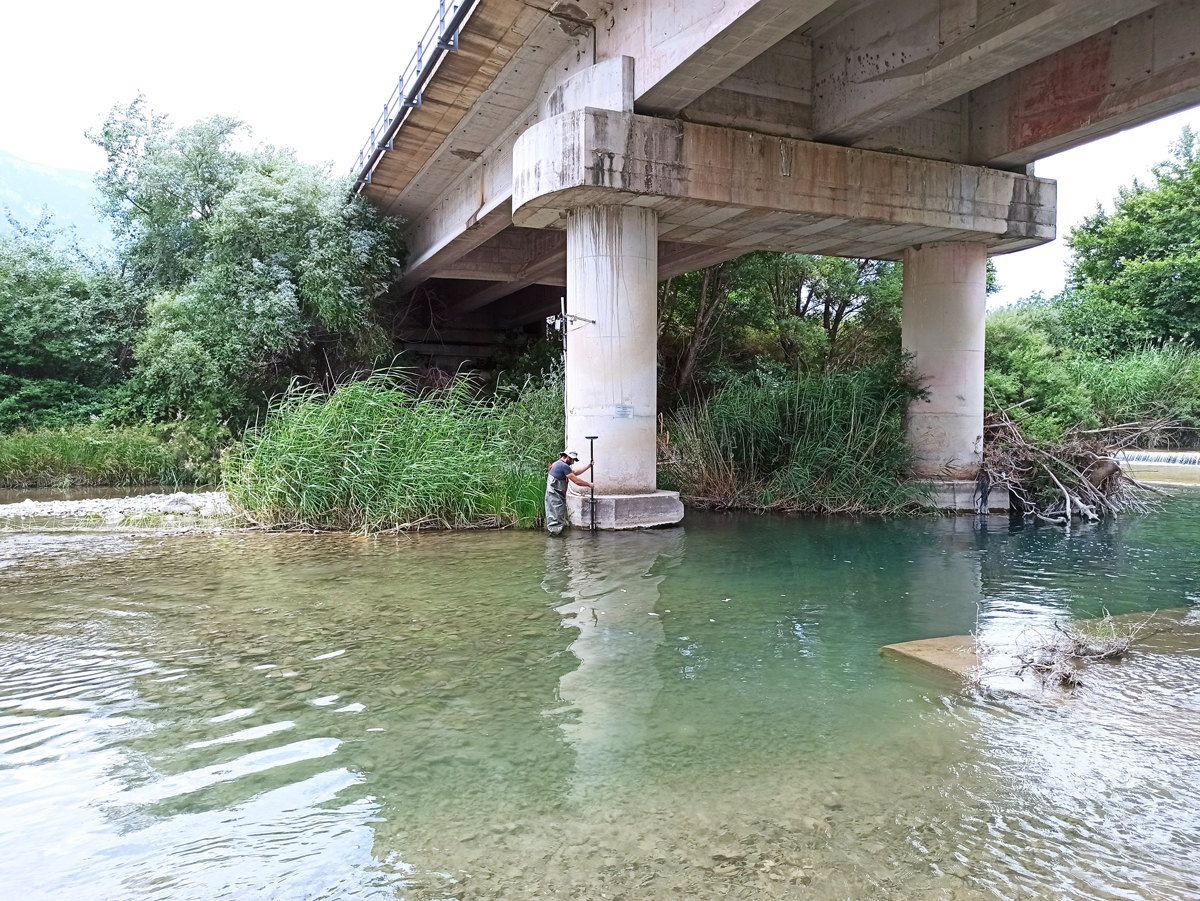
(604, 145)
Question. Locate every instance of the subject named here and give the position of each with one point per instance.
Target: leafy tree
(66, 327)
(1031, 376)
(707, 322)
(1136, 273)
(827, 311)
(773, 313)
(252, 266)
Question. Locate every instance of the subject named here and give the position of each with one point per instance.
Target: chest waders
(556, 505)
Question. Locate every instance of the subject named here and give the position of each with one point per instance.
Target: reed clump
(379, 455)
(94, 455)
(1154, 384)
(812, 443)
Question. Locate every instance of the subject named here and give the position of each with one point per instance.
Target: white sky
(315, 77)
(310, 75)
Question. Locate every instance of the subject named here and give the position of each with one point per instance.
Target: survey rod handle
(592, 459)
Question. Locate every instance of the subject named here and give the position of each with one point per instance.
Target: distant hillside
(69, 194)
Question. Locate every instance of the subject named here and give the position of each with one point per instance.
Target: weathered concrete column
(612, 342)
(945, 300)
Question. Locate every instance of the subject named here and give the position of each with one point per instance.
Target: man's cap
(572, 454)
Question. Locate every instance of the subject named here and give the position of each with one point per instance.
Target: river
(695, 712)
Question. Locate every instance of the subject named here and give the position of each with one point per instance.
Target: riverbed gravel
(120, 510)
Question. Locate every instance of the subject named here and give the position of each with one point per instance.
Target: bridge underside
(582, 152)
(975, 82)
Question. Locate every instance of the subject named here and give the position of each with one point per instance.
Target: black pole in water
(592, 459)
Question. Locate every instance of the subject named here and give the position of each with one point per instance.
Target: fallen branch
(1076, 475)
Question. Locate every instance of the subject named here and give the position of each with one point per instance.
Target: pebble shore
(116, 510)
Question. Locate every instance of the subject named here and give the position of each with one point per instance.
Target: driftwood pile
(1075, 477)
(1057, 658)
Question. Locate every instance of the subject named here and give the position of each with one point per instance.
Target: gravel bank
(120, 510)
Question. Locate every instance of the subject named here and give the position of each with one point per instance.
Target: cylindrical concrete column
(945, 301)
(612, 280)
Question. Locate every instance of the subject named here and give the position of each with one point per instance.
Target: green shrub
(378, 454)
(1024, 366)
(171, 454)
(1150, 384)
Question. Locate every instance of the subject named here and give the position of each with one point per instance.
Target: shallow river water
(699, 712)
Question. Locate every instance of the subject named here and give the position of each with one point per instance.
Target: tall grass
(827, 443)
(1150, 384)
(98, 455)
(378, 454)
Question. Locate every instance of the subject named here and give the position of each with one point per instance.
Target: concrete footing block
(626, 511)
(961, 496)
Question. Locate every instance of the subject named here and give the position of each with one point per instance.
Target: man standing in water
(562, 471)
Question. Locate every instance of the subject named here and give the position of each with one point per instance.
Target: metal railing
(440, 37)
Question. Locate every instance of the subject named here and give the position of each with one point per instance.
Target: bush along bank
(94, 455)
(377, 455)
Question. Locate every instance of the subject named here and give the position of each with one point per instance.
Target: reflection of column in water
(945, 589)
(610, 595)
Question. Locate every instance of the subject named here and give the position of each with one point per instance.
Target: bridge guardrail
(440, 37)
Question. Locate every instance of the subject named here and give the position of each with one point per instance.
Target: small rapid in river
(698, 711)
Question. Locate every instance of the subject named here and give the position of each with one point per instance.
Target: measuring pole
(592, 458)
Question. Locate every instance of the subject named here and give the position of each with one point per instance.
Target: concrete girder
(477, 206)
(737, 189)
(1145, 67)
(518, 259)
(506, 257)
(684, 49)
(503, 91)
(549, 268)
(532, 304)
(676, 259)
(887, 62)
(454, 241)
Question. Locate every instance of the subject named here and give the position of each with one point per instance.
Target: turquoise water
(698, 712)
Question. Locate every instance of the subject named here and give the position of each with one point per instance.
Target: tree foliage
(1029, 374)
(1135, 275)
(251, 266)
(66, 328)
(782, 312)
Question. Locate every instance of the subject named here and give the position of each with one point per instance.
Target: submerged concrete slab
(626, 511)
(1174, 632)
(955, 654)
